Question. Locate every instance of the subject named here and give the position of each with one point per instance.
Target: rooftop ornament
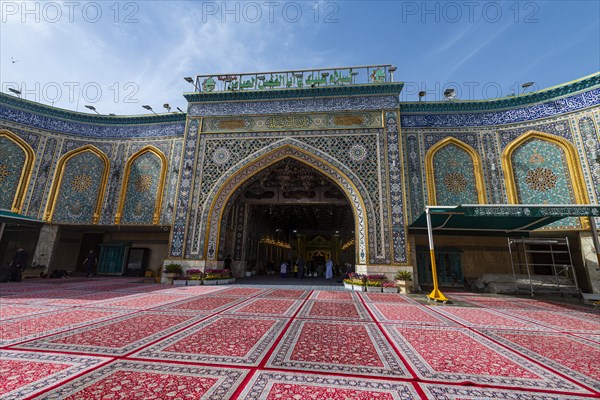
(296, 79)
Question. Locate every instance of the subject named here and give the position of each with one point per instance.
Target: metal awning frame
(513, 211)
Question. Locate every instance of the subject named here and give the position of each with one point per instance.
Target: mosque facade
(263, 167)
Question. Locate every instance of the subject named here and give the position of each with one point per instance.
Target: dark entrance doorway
(89, 241)
(286, 211)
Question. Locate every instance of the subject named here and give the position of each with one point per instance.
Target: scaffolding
(557, 253)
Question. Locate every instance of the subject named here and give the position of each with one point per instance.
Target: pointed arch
(26, 170)
(287, 149)
(430, 169)
(573, 166)
(161, 182)
(58, 178)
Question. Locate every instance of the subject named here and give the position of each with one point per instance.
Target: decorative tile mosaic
(182, 205)
(90, 130)
(292, 122)
(591, 142)
(42, 178)
(542, 176)
(289, 106)
(493, 171)
(395, 188)
(12, 162)
(79, 189)
(521, 114)
(142, 189)
(285, 148)
(118, 161)
(454, 176)
(556, 126)
(414, 176)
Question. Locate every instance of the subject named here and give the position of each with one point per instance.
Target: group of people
(300, 269)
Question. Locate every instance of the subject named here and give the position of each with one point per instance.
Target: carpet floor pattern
(119, 338)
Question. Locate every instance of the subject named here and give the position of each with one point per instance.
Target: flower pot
(348, 286)
(248, 274)
(376, 289)
(169, 277)
(194, 282)
(390, 289)
(358, 288)
(222, 281)
(210, 282)
(231, 280)
(404, 286)
(179, 282)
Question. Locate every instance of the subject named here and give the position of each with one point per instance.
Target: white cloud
(169, 41)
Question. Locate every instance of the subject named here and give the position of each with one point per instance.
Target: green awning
(9, 217)
(499, 218)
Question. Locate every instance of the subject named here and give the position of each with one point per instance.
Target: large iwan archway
(286, 211)
(225, 190)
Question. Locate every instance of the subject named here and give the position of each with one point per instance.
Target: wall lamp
(189, 79)
(147, 107)
(92, 108)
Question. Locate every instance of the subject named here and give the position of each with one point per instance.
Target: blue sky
(119, 56)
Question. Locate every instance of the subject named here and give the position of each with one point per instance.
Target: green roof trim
(540, 96)
(38, 108)
(393, 88)
(500, 219)
(9, 217)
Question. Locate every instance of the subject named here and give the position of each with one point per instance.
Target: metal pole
(594, 229)
(525, 254)
(435, 293)
(512, 262)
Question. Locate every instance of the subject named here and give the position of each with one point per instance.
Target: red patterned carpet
(116, 338)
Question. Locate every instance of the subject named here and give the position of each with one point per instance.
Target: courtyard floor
(118, 338)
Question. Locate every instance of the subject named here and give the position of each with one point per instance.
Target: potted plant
(171, 271)
(357, 281)
(194, 277)
(358, 285)
(390, 287)
(404, 281)
(374, 286)
(348, 284)
(210, 277)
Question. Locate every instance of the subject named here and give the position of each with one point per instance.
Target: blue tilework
(90, 130)
(142, 190)
(454, 176)
(79, 189)
(287, 106)
(12, 161)
(521, 114)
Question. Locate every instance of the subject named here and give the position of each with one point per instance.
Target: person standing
(227, 263)
(283, 269)
(300, 264)
(329, 269)
(18, 264)
(90, 262)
